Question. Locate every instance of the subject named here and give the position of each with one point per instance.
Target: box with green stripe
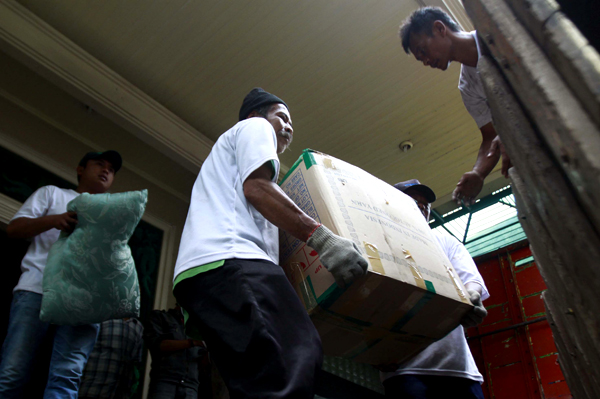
(411, 295)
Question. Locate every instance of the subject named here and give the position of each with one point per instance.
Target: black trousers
(256, 329)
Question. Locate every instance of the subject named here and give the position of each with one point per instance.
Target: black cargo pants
(256, 329)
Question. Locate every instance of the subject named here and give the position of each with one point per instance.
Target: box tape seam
(412, 264)
(348, 318)
(365, 347)
(459, 291)
(328, 163)
(374, 258)
(309, 159)
(397, 327)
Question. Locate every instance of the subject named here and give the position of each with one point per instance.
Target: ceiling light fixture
(406, 146)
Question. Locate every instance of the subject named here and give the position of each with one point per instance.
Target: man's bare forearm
(29, 227)
(484, 163)
(339, 255)
(270, 200)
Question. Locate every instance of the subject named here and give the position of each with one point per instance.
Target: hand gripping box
(411, 295)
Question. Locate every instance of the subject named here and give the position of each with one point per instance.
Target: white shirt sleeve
(463, 264)
(472, 91)
(255, 145)
(473, 96)
(36, 205)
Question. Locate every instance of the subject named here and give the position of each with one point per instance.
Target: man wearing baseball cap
(41, 219)
(111, 156)
(446, 365)
(227, 278)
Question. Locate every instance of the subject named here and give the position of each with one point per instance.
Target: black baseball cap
(416, 185)
(111, 156)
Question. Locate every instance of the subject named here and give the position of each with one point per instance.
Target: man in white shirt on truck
(436, 40)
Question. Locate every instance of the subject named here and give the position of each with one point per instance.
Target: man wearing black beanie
(227, 280)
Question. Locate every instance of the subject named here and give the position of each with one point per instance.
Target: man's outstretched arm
(471, 183)
(270, 200)
(339, 255)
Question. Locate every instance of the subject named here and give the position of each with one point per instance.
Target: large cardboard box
(411, 295)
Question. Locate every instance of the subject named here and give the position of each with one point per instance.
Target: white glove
(339, 255)
(475, 316)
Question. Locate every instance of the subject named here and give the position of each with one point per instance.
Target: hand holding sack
(339, 255)
(90, 275)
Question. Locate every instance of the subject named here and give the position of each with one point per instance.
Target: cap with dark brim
(111, 156)
(256, 99)
(416, 185)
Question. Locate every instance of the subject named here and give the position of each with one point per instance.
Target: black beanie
(256, 99)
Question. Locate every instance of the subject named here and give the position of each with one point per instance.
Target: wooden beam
(533, 14)
(568, 351)
(574, 140)
(576, 346)
(46, 51)
(565, 244)
(569, 51)
(578, 356)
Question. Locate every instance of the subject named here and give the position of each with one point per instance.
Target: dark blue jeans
(431, 387)
(71, 348)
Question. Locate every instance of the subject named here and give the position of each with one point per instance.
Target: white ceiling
(352, 91)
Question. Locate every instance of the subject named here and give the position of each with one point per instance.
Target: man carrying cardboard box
(436, 40)
(446, 366)
(226, 277)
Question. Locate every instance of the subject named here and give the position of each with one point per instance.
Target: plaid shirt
(109, 370)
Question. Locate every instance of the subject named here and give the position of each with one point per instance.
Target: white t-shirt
(472, 92)
(449, 356)
(47, 200)
(221, 223)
